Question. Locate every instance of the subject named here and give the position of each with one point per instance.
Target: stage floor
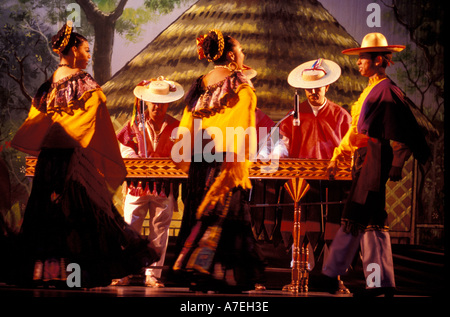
(142, 291)
(179, 292)
(419, 272)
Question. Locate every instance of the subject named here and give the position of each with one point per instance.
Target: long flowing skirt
(70, 219)
(219, 250)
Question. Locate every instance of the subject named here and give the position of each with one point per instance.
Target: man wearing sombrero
(321, 125)
(383, 134)
(153, 139)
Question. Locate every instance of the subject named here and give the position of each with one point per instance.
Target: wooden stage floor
(420, 279)
(419, 272)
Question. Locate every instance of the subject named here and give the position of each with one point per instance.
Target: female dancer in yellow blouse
(216, 240)
(70, 216)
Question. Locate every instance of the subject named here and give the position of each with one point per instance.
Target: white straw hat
(314, 74)
(159, 90)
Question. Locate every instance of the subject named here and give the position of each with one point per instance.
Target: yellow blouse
(82, 121)
(218, 131)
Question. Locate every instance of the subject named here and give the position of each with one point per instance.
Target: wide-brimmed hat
(374, 42)
(159, 90)
(314, 74)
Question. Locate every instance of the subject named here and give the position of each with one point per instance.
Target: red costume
(320, 131)
(130, 136)
(317, 136)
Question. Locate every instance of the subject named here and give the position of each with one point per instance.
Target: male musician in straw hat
(321, 123)
(317, 127)
(149, 141)
(383, 134)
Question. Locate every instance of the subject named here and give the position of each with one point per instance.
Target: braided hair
(211, 47)
(65, 39)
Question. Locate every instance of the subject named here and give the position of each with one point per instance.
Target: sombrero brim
(333, 72)
(387, 49)
(142, 92)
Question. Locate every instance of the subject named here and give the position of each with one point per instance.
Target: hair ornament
(220, 46)
(201, 53)
(67, 32)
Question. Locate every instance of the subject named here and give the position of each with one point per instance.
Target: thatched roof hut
(277, 36)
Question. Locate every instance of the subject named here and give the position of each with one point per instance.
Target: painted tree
(26, 58)
(104, 16)
(423, 77)
(25, 62)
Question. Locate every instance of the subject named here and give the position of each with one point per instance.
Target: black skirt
(70, 218)
(223, 237)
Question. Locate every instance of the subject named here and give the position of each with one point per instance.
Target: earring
(232, 66)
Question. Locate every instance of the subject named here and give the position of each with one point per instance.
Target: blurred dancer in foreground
(218, 249)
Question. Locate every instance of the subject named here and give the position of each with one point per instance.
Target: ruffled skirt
(218, 251)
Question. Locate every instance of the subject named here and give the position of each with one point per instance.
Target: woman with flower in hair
(70, 216)
(218, 249)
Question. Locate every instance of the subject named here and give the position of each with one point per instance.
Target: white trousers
(376, 255)
(160, 211)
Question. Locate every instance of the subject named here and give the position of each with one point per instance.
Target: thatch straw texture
(276, 35)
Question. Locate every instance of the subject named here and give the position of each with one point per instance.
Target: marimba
(281, 169)
(289, 169)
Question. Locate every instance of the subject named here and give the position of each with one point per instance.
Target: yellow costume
(240, 114)
(81, 120)
(70, 217)
(216, 228)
